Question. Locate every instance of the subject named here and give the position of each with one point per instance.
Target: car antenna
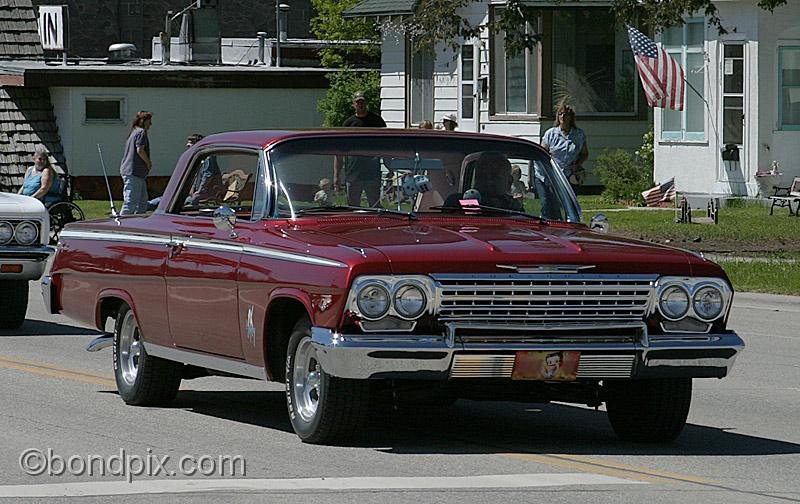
(108, 186)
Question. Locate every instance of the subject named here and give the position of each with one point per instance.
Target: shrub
(338, 103)
(624, 176)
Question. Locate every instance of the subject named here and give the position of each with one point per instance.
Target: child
(518, 188)
(325, 195)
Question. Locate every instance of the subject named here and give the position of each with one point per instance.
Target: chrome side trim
(289, 256)
(201, 244)
(115, 236)
(207, 361)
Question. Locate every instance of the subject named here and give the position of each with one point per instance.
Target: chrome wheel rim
(130, 348)
(306, 380)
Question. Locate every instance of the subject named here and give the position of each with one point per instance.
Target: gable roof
(367, 8)
(19, 30)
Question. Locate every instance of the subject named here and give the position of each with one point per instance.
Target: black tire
(142, 380)
(331, 411)
(649, 411)
(14, 294)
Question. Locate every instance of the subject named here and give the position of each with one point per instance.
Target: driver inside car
(492, 181)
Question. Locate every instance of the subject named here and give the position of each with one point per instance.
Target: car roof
(266, 138)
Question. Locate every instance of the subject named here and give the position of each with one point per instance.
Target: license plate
(537, 365)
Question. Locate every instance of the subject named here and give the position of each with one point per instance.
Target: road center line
(50, 370)
(596, 468)
(101, 488)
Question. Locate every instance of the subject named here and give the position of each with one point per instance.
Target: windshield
(416, 174)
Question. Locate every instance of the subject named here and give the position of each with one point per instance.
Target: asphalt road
(742, 443)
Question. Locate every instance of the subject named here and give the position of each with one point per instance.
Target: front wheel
(648, 411)
(14, 296)
(142, 379)
(322, 408)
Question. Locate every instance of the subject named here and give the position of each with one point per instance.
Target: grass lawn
(744, 231)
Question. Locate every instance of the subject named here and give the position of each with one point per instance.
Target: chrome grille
(502, 366)
(532, 298)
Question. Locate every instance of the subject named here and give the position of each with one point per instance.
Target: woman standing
(136, 164)
(39, 178)
(567, 144)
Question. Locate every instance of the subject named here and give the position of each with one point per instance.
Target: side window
(219, 178)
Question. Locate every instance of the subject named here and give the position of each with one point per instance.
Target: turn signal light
(11, 268)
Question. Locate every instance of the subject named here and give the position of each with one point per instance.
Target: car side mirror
(225, 219)
(600, 224)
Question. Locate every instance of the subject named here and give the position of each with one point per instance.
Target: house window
(103, 110)
(515, 79)
(685, 44)
(421, 96)
(467, 79)
(593, 67)
(789, 61)
(583, 58)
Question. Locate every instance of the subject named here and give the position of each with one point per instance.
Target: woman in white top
(567, 143)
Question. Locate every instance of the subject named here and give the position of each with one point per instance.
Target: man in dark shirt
(360, 173)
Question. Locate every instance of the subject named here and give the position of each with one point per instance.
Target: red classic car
(349, 263)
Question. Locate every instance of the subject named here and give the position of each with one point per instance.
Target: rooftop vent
(121, 53)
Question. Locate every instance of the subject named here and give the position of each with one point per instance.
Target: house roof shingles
(381, 8)
(27, 123)
(19, 31)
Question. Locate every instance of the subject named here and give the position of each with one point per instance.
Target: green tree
(338, 103)
(329, 24)
(439, 20)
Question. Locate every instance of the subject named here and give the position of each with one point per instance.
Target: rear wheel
(142, 379)
(322, 408)
(14, 295)
(649, 411)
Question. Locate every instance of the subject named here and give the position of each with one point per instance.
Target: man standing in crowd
(360, 173)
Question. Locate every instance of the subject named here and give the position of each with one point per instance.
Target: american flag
(662, 193)
(662, 76)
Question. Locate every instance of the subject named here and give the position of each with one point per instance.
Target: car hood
(447, 245)
(16, 206)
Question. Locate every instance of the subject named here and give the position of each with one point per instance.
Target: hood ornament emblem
(547, 268)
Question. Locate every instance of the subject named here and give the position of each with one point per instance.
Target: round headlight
(707, 303)
(26, 233)
(373, 301)
(410, 301)
(674, 302)
(6, 232)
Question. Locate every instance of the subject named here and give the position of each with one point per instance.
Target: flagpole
(708, 108)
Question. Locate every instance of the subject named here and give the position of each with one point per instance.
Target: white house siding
(393, 81)
(698, 166)
(601, 134)
(782, 28)
(177, 113)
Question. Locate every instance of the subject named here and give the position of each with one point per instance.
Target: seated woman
(41, 181)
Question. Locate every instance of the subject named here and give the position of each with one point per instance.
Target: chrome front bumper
(434, 357)
(32, 259)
